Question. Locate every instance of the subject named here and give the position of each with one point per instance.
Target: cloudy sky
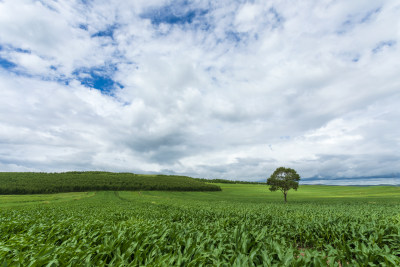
(215, 89)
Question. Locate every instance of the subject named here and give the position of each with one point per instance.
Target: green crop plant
(242, 225)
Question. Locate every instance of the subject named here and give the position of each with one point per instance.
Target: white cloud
(248, 17)
(210, 89)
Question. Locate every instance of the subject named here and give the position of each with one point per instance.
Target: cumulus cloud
(209, 89)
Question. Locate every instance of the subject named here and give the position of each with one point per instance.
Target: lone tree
(283, 179)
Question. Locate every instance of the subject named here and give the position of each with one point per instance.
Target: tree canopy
(283, 179)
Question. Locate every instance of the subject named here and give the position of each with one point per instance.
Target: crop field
(242, 225)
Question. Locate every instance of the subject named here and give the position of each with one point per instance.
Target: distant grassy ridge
(43, 183)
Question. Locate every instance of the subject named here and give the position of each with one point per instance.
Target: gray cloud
(209, 89)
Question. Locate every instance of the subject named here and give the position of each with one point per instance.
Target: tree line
(45, 183)
(223, 181)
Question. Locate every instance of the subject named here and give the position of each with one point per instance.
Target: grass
(242, 225)
(248, 193)
(242, 193)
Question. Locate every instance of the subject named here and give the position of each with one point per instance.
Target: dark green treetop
(284, 179)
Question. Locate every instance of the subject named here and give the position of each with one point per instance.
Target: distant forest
(45, 183)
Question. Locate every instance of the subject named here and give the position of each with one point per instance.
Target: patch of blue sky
(48, 5)
(201, 24)
(99, 78)
(350, 56)
(108, 32)
(63, 80)
(13, 68)
(174, 19)
(277, 20)
(20, 50)
(235, 37)
(6, 64)
(370, 14)
(14, 49)
(345, 27)
(83, 26)
(354, 19)
(85, 2)
(379, 47)
(179, 12)
(356, 58)
(59, 78)
(238, 39)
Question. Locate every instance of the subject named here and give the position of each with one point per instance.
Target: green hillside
(43, 183)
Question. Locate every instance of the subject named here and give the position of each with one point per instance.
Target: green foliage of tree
(283, 179)
(45, 183)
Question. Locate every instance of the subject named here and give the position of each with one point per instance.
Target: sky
(212, 89)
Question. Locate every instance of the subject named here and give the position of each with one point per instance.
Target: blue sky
(214, 89)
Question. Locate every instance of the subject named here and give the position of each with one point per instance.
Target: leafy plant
(154, 228)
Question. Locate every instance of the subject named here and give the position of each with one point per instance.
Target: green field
(242, 225)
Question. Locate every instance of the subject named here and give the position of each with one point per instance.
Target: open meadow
(242, 225)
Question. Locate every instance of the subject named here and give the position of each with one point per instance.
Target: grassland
(242, 225)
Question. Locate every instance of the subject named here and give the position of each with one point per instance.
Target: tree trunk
(285, 194)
